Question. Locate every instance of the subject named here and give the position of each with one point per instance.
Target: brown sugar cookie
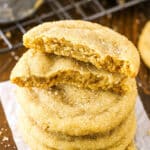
(27, 132)
(62, 141)
(87, 42)
(144, 44)
(132, 147)
(69, 110)
(37, 69)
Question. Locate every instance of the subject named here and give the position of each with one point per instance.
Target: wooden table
(128, 22)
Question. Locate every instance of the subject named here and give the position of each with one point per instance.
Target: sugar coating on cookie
(66, 142)
(69, 110)
(42, 70)
(37, 143)
(88, 42)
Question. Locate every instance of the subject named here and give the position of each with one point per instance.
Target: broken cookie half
(43, 70)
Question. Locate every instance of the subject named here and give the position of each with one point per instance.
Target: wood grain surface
(128, 22)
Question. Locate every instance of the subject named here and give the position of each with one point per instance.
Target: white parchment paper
(7, 98)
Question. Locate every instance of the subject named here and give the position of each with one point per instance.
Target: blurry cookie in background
(144, 44)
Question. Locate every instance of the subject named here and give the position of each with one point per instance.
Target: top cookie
(88, 42)
(144, 44)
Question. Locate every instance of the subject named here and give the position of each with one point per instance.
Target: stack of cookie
(76, 87)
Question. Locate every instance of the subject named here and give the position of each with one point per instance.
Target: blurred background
(127, 17)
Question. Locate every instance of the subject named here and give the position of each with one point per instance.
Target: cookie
(144, 44)
(61, 141)
(69, 110)
(37, 69)
(87, 42)
(38, 143)
(131, 146)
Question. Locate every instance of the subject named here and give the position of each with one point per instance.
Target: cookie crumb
(2, 129)
(12, 53)
(8, 34)
(5, 138)
(16, 57)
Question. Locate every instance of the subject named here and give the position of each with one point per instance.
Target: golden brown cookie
(37, 69)
(61, 141)
(144, 44)
(69, 110)
(131, 146)
(85, 41)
